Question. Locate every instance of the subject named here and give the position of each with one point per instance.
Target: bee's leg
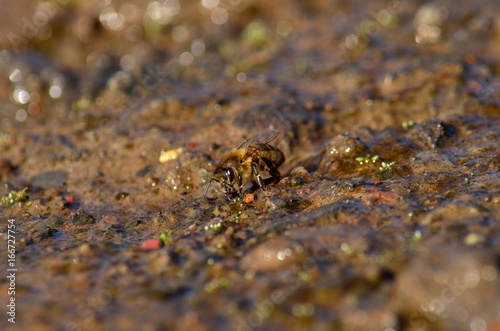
(240, 185)
(268, 166)
(257, 175)
(275, 175)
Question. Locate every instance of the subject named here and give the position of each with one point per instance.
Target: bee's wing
(262, 137)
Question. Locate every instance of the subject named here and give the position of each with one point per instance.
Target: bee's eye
(230, 175)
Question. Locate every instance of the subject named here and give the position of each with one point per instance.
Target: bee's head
(226, 177)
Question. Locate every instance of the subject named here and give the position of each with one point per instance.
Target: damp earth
(115, 114)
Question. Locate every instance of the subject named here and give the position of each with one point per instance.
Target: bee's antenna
(208, 186)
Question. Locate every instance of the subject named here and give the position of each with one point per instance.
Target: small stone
(274, 203)
(473, 239)
(299, 171)
(69, 199)
(40, 233)
(109, 222)
(86, 250)
(54, 222)
(248, 198)
(152, 244)
(82, 218)
(44, 229)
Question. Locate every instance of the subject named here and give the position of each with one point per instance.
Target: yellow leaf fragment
(170, 155)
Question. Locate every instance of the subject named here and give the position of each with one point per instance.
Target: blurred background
(60, 56)
(113, 115)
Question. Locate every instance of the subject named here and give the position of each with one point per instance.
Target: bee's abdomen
(271, 154)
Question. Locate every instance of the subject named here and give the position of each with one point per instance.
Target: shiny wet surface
(387, 213)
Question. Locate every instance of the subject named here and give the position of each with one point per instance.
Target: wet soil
(387, 215)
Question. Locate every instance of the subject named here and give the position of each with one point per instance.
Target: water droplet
(163, 12)
(21, 96)
(112, 20)
(489, 273)
(210, 4)
(134, 33)
(55, 91)
(21, 115)
(219, 16)
(284, 28)
(241, 77)
(180, 33)
(471, 279)
(127, 62)
(478, 324)
(198, 47)
(15, 75)
(129, 12)
(186, 58)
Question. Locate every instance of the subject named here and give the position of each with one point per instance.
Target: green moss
(414, 236)
(407, 124)
(216, 227)
(255, 34)
(347, 249)
(81, 104)
(165, 237)
(367, 159)
(387, 166)
(15, 196)
(217, 284)
(303, 310)
(305, 276)
(4, 138)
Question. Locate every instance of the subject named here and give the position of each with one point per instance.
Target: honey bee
(246, 163)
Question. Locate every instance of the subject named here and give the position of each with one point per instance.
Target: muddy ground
(387, 215)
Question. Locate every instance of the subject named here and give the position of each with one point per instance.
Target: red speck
(248, 198)
(69, 199)
(470, 59)
(192, 145)
(152, 244)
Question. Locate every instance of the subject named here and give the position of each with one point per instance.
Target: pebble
(152, 244)
(82, 218)
(44, 229)
(109, 222)
(40, 233)
(474, 238)
(248, 198)
(54, 222)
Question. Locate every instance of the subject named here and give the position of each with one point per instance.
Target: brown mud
(387, 215)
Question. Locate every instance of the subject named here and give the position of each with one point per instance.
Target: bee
(246, 163)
